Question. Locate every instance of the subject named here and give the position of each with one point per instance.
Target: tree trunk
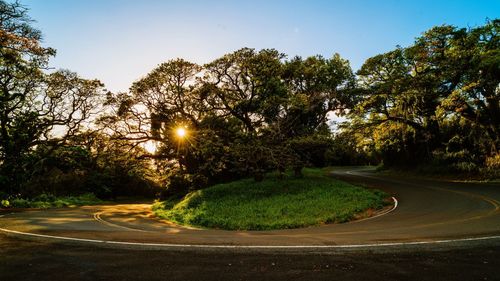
(258, 176)
(281, 172)
(297, 171)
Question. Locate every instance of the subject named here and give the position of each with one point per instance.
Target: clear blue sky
(118, 41)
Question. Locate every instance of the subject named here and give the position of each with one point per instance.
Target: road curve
(428, 212)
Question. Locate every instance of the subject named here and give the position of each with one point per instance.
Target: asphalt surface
(439, 231)
(427, 211)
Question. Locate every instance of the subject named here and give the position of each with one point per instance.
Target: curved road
(428, 212)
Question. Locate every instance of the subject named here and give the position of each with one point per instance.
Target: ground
(43, 260)
(274, 203)
(440, 230)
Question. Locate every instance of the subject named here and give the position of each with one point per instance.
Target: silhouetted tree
(35, 108)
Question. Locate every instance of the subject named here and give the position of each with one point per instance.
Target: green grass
(45, 201)
(272, 204)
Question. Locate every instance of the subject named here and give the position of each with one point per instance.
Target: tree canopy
(418, 101)
(435, 102)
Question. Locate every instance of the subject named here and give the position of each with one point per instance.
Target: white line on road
(97, 217)
(381, 214)
(200, 246)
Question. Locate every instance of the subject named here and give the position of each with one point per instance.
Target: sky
(120, 41)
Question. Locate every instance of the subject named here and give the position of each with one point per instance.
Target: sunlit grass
(272, 204)
(45, 201)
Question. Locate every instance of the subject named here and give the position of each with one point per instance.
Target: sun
(181, 132)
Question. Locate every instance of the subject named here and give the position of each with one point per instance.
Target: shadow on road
(42, 260)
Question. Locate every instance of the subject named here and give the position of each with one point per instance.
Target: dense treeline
(245, 113)
(433, 103)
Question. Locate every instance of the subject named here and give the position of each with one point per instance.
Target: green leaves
(447, 72)
(240, 109)
(36, 109)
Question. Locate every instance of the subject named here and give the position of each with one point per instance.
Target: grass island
(273, 203)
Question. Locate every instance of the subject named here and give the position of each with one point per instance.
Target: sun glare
(150, 147)
(180, 132)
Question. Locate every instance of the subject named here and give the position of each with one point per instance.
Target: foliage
(246, 113)
(272, 203)
(45, 201)
(36, 109)
(350, 148)
(4, 203)
(492, 168)
(434, 101)
(311, 150)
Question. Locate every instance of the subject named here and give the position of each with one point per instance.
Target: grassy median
(272, 204)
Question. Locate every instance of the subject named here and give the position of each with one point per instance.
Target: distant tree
(166, 99)
(316, 88)
(170, 97)
(240, 111)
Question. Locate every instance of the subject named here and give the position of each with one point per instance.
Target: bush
(45, 201)
(75, 169)
(466, 167)
(492, 169)
(44, 197)
(179, 183)
(4, 203)
(493, 162)
(20, 203)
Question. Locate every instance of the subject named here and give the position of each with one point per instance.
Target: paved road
(428, 211)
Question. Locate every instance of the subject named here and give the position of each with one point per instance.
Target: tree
(411, 95)
(246, 85)
(166, 99)
(316, 87)
(35, 108)
(390, 102)
(474, 57)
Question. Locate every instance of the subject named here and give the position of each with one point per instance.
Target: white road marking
(97, 217)
(207, 246)
(381, 214)
(167, 245)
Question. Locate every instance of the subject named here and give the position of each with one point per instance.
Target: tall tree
(473, 56)
(247, 85)
(316, 87)
(35, 108)
(412, 92)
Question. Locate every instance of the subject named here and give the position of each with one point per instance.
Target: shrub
(4, 203)
(492, 169)
(179, 183)
(44, 201)
(466, 167)
(20, 203)
(493, 162)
